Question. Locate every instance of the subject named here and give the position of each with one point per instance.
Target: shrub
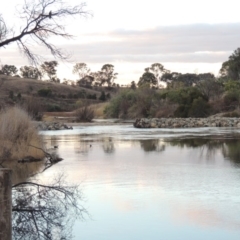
(53, 108)
(231, 99)
(102, 96)
(84, 114)
(45, 92)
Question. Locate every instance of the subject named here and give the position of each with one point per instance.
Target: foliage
(41, 20)
(129, 103)
(8, 70)
(147, 79)
(185, 79)
(185, 98)
(84, 114)
(120, 104)
(49, 68)
(211, 88)
(81, 69)
(54, 108)
(231, 85)
(86, 81)
(157, 69)
(133, 85)
(231, 99)
(231, 68)
(105, 76)
(45, 92)
(30, 72)
(102, 96)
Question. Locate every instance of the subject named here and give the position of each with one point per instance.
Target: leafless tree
(42, 20)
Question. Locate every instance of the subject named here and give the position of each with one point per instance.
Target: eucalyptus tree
(9, 70)
(231, 68)
(50, 69)
(81, 69)
(30, 72)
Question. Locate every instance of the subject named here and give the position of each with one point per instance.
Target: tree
(105, 76)
(231, 68)
(158, 69)
(148, 79)
(152, 75)
(133, 85)
(49, 68)
(210, 88)
(30, 72)
(81, 69)
(8, 70)
(41, 20)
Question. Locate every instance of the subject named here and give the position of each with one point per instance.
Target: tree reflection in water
(45, 211)
(42, 211)
(152, 145)
(108, 145)
(230, 148)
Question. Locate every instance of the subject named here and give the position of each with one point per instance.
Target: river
(140, 184)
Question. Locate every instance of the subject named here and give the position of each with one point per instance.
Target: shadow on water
(43, 211)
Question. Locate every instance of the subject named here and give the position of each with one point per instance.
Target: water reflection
(152, 145)
(108, 146)
(45, 211)
(180, 182)
(208, 148)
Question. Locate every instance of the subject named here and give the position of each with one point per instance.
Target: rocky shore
(186, 122)
(43, 126)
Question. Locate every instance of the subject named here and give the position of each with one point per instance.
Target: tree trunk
(5, 204)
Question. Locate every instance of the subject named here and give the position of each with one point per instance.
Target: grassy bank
(18, 135)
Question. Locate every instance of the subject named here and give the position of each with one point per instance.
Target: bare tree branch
(42, 19)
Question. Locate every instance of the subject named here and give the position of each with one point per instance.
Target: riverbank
(186, 122)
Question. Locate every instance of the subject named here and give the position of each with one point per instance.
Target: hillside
(58, 97)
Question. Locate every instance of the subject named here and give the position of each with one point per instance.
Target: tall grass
(18, 135)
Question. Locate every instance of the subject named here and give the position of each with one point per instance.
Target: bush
(102, 96)
(45, 92)
(53, 108)
(17, 135)
(231, 99)
(84, 114)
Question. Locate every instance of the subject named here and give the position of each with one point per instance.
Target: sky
(185, 36)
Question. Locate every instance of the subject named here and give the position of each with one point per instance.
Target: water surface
(153, 183)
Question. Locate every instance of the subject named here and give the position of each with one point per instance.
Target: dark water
(153, 183)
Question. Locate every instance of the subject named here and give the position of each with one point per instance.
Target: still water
(152, 183)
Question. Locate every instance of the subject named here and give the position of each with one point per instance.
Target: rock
(43, 126)
(186, 122)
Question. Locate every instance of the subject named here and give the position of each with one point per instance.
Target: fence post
(5, 204)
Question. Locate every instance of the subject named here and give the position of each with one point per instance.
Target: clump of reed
(18, 135)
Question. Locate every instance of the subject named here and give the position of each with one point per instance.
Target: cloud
(183, 48)
(187, 43)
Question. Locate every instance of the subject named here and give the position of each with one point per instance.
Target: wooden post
(5, 204)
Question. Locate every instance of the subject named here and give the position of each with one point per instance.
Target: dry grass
(99, 109)
(27, 86)
(17, 134)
